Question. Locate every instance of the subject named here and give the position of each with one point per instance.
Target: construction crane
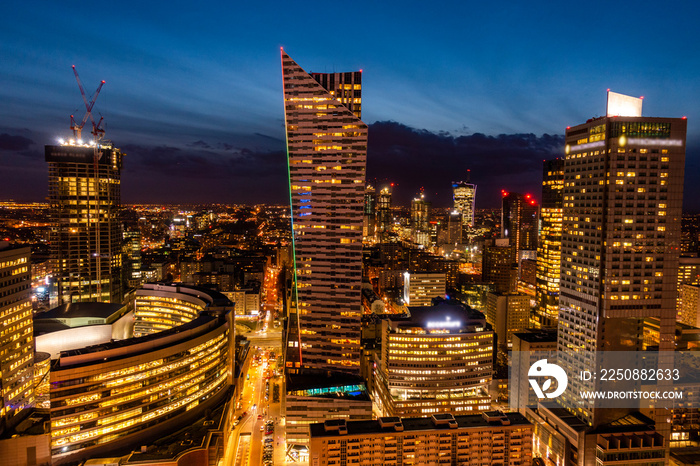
(94, 214)
(97, 131)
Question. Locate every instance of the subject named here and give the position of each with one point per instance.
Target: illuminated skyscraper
(384, 217)
(549, 244)
(370, 218)
(86, 240)
(420, 220)
(464, 196)
(519, 221)
(327, 151)
(623, 193)
(16, 338)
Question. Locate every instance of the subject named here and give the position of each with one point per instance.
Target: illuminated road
(247, 439)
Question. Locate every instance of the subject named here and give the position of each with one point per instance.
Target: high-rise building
(16, 338)
(369, 220)
(86, 240)
(420, 220)
(132, 258)
(464, 196)
(499, 266)
(623, 192)
(507, 313)
(549, 244)
(519, 217)
(422, 368)
(419, 288)
(326, 151)
(384, 218)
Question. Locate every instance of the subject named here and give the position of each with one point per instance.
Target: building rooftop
(81, 310)
(546, 335)
(414, 424)
(444, 314)
(7, 246)
(324, 385)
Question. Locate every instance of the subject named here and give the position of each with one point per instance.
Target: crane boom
(78, 128)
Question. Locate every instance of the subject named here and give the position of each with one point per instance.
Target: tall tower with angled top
(326, 154)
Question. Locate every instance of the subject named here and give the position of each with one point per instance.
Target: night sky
(193, 91)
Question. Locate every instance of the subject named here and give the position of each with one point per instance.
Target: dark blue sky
(192, 88)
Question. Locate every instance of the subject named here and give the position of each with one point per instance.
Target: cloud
(415, 159)
(9, 142)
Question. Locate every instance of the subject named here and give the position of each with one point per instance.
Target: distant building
(411, 381)
(464, 197)
(385, 218)
(690, 307)
(500, 266)
(420, 220)
(528, 271)
(507, 313)
(132, 258)
(519, 216)
(86, 241)
(489, 438)
(549, 244)
(16, 338)
(369, 219)
(419, 288)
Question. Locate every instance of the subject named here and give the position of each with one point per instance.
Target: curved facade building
(109, 396)
(159, 307)
(436, 359)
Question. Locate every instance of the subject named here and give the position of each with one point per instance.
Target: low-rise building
(490, 438)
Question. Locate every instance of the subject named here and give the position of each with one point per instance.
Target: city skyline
(190, 100)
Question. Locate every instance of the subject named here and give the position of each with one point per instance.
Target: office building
(519, 217)
(688, 274)
(420, 288)
(369, 220)
(314, 398)
(411, 380)
(327, 151)
(86, 240)
(549, 244)
(507, 313)
(500, 266)
(121, 394)
(528, 347)
(385, 219)
(132, 258)
(690, 305)
(623, 193)
(464, 197)
(420, 220)
(485, 439)
(16, 338)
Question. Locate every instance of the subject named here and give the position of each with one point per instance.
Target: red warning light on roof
(532, 202)
(527, 196)
(684, 118)
(392, 185)
(608, 89)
